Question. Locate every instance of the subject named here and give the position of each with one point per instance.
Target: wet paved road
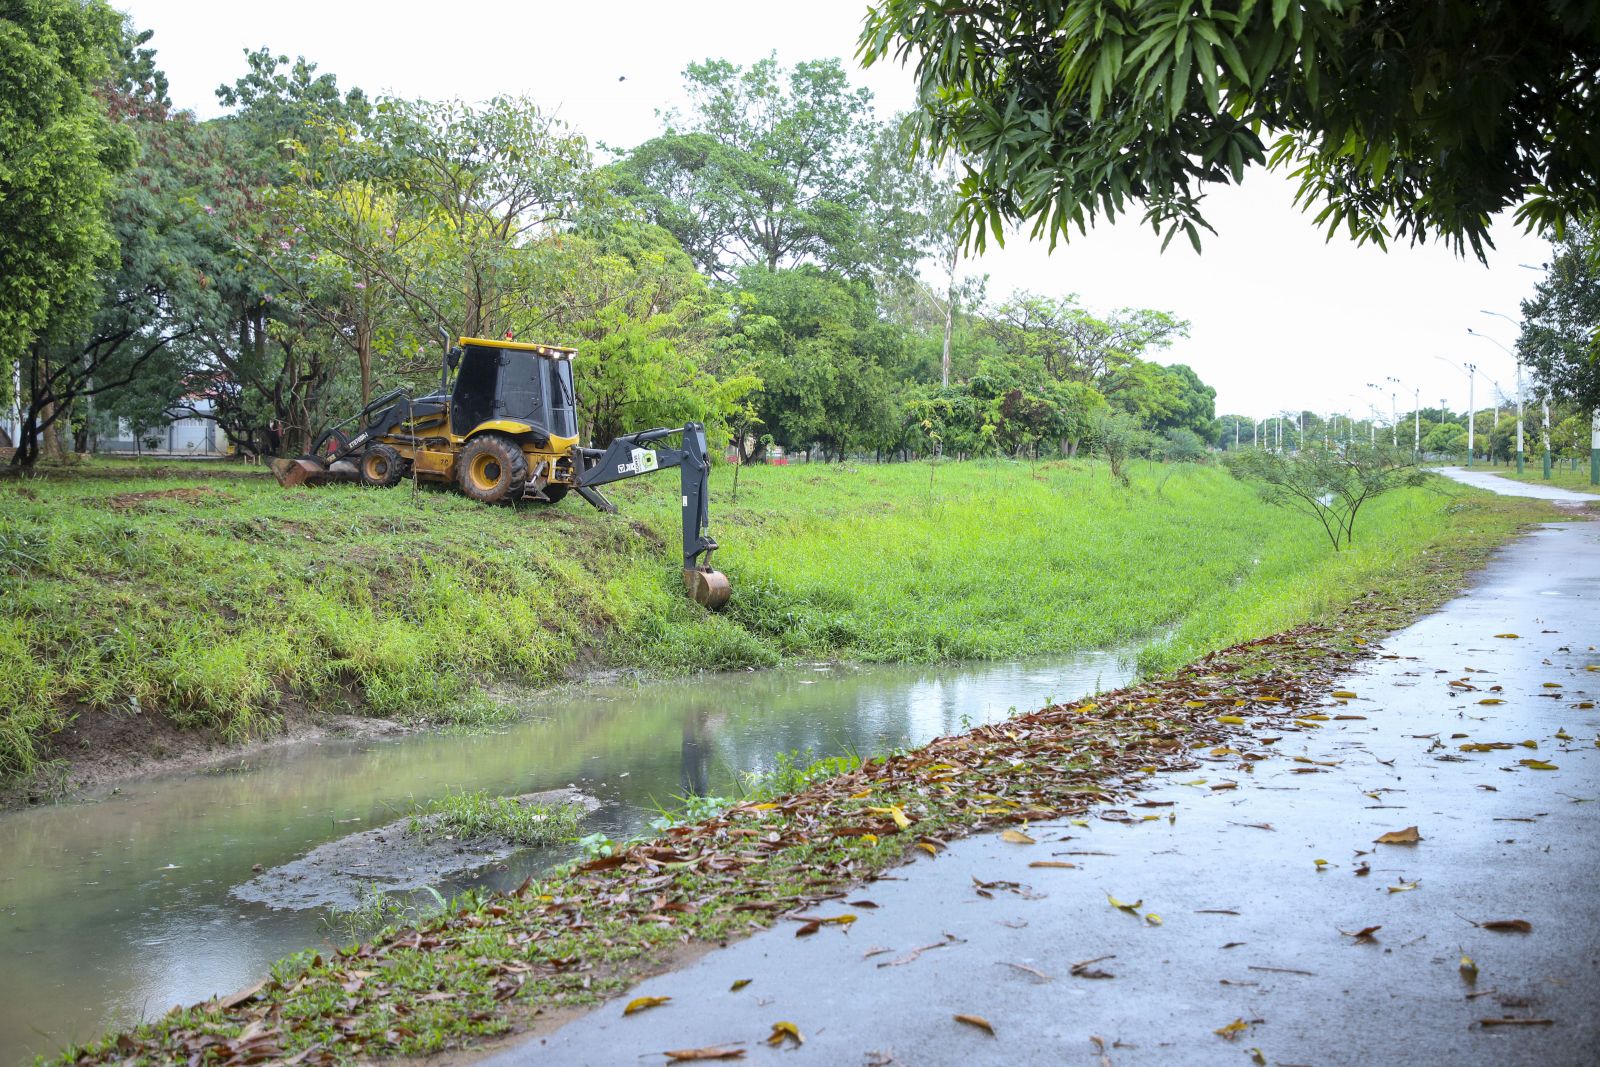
(1507, 487)
(1252, 927)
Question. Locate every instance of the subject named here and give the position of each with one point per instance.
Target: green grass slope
(218, 603)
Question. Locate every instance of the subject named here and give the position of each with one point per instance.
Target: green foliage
(58, 163)
(772, 167)
(1329, 485)
(1560, 338)
(1401, 119)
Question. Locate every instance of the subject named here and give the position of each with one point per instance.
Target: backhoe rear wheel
(381, 467)
(492, 468)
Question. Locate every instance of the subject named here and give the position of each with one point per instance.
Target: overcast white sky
(1280, 319)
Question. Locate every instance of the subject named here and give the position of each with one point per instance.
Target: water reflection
(116, 910)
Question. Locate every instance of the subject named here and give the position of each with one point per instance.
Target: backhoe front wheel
(381, 467)
(492, 468)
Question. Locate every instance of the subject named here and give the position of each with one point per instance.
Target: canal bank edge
(510, 965)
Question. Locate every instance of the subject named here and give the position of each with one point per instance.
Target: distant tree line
(762, 265)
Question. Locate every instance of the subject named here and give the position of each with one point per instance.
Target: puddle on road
(116, 910)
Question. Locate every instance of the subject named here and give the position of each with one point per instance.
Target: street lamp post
(1516, 356)
(1416, 421)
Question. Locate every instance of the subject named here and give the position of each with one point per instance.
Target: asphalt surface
(1252, 928)
(1482, 479)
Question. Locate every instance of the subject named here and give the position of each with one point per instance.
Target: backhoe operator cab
(508, 431)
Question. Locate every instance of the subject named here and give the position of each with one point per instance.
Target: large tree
(1561, 322)
(1400, 118)
(774, 167)
(59, 159)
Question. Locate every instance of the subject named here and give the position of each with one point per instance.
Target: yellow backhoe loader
(507, 431)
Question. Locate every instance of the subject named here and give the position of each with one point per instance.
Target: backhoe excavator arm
(629, 456)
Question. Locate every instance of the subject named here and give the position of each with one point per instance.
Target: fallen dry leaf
(1052, 863)
(1469, 969)
(1508, 635)
(1408, 836)
(1232, 1030)
(644, 1003)
(1404, 887)
(1028, 970)
(1538, 765)
(1518, 926)
(1363, 936)
(1086, 968)
(975, 1020)
(1131, 909)
(1017, 837)
(782, 1032)
(1516, 1022)
(739, 984)
(710, 1052)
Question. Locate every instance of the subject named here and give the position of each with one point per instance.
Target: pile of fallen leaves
(589, 932)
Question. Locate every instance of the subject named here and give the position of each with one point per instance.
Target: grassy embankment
(1560, 476)
(224, 604)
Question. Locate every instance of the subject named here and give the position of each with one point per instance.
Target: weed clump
(466, 816)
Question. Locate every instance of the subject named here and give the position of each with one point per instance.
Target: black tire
(491, 469)
(382, 467)
(553, 494)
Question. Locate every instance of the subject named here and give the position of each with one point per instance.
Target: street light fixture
(1518, 360)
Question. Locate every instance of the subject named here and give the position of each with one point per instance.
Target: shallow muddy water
(117, 909)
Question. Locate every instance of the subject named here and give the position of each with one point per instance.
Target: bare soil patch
(188, 495)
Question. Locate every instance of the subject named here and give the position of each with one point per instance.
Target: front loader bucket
(708, 588)
(293, 472)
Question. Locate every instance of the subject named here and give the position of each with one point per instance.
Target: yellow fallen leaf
(739, 984)
(1552, 685)
(1586, 704)
(1052, 863)
(1469, 969)
(871, 839)
(785, 1031)
(1562, 735)
(1319, 717)
(975, 1020)
(1408, 836)
(928, 848)
(1232, 1030)
(1529, 743)
(1258, 1058)
(864, 794)
(1131, 909)
(1404, 887)
(1344, 694)
(1017, 837)
(1231, 720)
(762, 807)
(1537, 765)
(895, 812)
(1153, 919)
(1491, 700)
(1080, 822)
(1194, 703)
(1508, 635)
(1309, 725)
(642, 1003)
(1321, 864)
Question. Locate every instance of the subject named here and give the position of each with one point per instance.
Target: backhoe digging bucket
(293, 472)
(707, 587)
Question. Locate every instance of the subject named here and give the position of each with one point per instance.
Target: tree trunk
(364, 358)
